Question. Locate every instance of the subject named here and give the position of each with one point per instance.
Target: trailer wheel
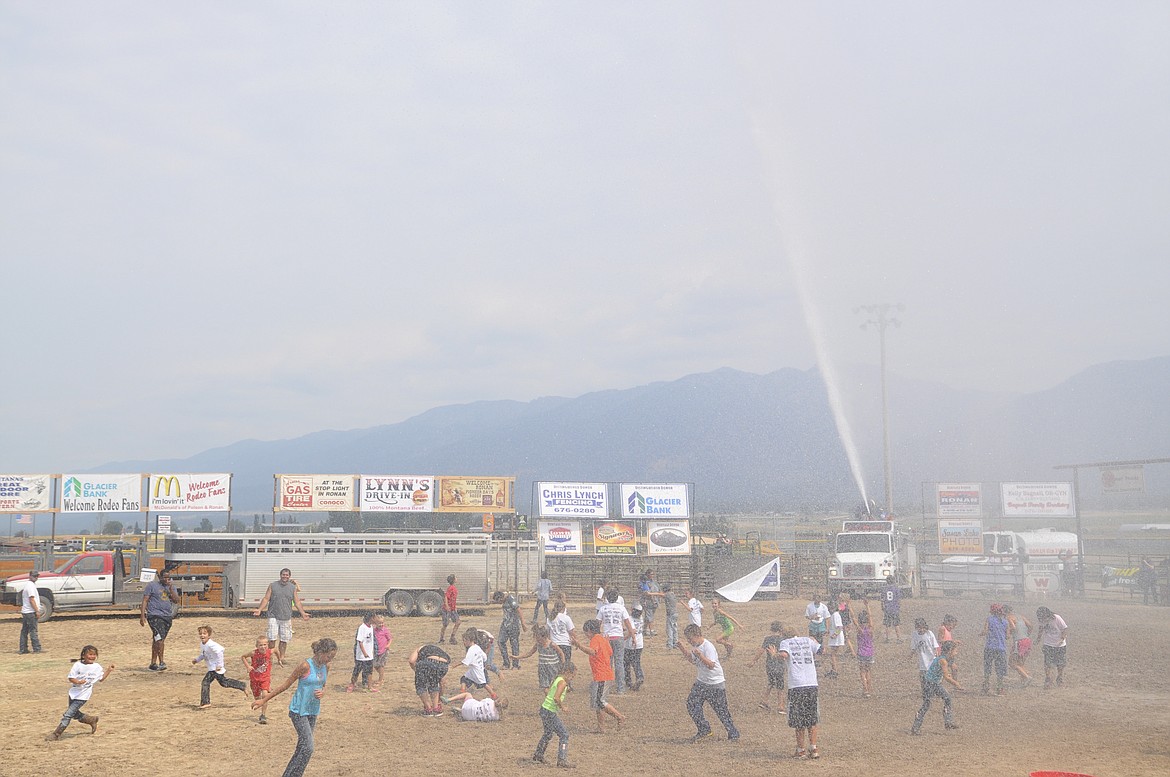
(399, 603)
(47, 603)
(430, 603)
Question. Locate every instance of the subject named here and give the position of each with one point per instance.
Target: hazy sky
(226, 220)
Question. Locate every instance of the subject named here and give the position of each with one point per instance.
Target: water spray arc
(879, 317)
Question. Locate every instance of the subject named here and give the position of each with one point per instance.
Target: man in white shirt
(30, 611)
(616, 626)
(710, 686)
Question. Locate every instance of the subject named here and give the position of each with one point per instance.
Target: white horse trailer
(404, 572)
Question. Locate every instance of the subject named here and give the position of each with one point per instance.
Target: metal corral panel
(960, 576)
(360, 569)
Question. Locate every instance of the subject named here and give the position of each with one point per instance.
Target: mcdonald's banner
(184, 492)
(101, 493)
(25, 493)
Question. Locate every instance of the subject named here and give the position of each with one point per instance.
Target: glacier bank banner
(658, 500)
(101, 493)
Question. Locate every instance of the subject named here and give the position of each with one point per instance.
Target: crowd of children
(614, 643)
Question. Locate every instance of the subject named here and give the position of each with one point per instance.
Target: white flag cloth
(766, 578)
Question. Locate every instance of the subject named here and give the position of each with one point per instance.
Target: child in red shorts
(259, 666)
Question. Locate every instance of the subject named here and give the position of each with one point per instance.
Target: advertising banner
(101, 493)
(562, 538)
(476, 495)
(25, 493)
(612, 538)
(1037, 500)
(397, 493)
(315, 493)
(668, 538)
(959, 500)
(1121, 480)
(661, 500)
(191, 493)
(960, 537)
(585, 500)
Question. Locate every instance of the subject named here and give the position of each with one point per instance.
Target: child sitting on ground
(480, 711)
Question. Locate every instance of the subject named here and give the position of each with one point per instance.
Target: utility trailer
(404, 572)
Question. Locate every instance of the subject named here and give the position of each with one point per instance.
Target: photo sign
(181, 492)
(959, 500)
(25, 493)
(668, 538)
(397, 493)
(101, 493)
(315, 493)
(561, 538)
(476, 495)
(960, 537)
(614, 538)
(1037, 500)
(584, 500)
(655, 500)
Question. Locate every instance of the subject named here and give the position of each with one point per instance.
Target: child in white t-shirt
(480, 711)
(923, 645)
(363, 654)
(82, 677)
(695, 607)
(476, 661)
(633, 646)
(836, 641)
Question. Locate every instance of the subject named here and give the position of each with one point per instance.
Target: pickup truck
(102, 578)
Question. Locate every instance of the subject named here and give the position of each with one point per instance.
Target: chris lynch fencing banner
(397, 493)
(589, 500)
(191, 493)
(662, 500)
(25, 493)
(101, 493)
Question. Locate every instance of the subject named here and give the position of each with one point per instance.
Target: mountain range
(746, 442)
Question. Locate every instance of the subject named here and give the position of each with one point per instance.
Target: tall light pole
(880, 317)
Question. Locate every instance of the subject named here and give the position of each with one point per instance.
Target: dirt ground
(1112, 717)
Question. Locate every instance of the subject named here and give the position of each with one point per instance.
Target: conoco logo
(611, 532)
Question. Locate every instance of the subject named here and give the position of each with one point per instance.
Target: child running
(476, 661)
(363, 654)
(932, 685)
(1020, 633)
(695, 607)
(305, 705)
(259, 666)
(550, 657)
(82, 677)
(710, 686)
(382, 640)
(550, 719)
(212, 652)
(727, 623)
(599, 653)
(773, 667)
(995, 649)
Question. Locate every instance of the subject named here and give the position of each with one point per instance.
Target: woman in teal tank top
(305, 704)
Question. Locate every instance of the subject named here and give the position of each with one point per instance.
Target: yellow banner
(476, 495)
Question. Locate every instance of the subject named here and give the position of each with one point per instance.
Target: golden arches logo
(170, 481)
